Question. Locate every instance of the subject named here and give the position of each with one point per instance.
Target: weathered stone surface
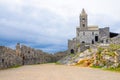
(8, 58)
(60, 55)
(72, 59)
(115, 40)
(24, 55)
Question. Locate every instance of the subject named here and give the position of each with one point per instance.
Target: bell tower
(83, 20)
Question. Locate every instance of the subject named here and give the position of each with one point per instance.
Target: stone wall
(33, 56)
(115, 40)
(8, 58)
(23, 55)
(72, 45)
(87, 36)
(60, 55)
(104, 35)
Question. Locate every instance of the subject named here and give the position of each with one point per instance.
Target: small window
(2, 60)
(78, 34)
(92, 33)
(28, 51)
(83, 33)
(106, 40)
(102, 41)
(83, 41)
(83, 18)
(83, 25)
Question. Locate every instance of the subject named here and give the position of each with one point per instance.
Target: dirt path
(56, 72)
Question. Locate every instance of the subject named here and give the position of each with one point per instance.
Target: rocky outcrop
(73, 59)
(105, 57)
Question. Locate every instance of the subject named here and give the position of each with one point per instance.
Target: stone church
(88, 35)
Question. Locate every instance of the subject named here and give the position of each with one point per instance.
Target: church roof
(93, 28)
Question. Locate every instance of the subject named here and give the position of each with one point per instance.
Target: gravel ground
(56, 72)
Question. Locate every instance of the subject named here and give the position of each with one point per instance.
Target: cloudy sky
(48, 24)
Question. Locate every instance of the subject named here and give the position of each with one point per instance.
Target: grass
(113, 69)
(96, 67)
(15, 66)
(107, 69)
(57, 63)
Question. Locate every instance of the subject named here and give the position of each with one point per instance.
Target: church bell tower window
(83, 25)
(83, 19)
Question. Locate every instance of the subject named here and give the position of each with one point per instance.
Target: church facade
(88, 34)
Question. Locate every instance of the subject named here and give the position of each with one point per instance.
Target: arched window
(83, 18)
(83, 25)
(83, 41)
(2, 60)
(72, 51)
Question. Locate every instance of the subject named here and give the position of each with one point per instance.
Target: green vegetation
(103, 57)
(108, 69)
(16, 66)
(113, 69)
(100, 50)
(57, 63)
(72, 55)
(78, 45)
(114, 47)
(111, 53)
(89, 50)
(96, 67)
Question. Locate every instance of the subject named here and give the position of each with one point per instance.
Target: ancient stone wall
(115, 40)
(23, 55)
(72, 45)
(104, 35)
(87, 36)
(8, 58)
(60, 55)
(32, 56)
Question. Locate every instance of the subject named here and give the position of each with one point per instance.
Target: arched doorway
(96, 38)
(2, 60)
(92, 41)
(72, 51)
(83, 41)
